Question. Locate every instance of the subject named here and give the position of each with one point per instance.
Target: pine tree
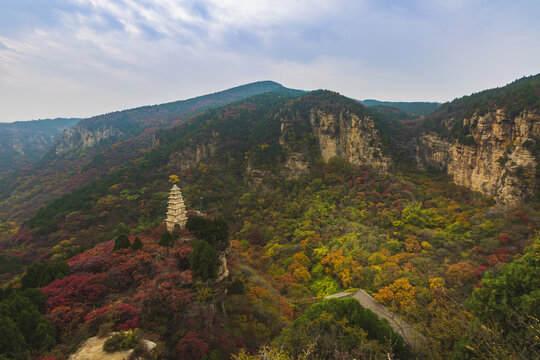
(137, 244)
(121, 242)
(203, 260)
(166, 239)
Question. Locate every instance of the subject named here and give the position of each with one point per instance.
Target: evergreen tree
(215, 232)
(203, 260)
(167, 239)
(22, 327)
(137, 244)
(41, 274)
(12, 342)
(237, 287)
(121, 242)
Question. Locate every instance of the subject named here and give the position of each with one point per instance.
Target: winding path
(410, 335)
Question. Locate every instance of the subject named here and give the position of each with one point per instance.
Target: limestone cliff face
(500, 163)
(297, 160)
(303, 137)
(194, 153)
(349, 136)
(79, 138)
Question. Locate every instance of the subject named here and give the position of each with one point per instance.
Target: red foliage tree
(84, 288)
(191, 347)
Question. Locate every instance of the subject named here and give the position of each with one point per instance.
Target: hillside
(116, 126)
(487, 141)
(22, 143)
(103, 144)
(411, 108)
(318, 199)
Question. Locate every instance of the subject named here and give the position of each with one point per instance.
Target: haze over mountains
(25, 142)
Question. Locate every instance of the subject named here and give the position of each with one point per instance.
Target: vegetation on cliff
(520, 95)
(415, 241)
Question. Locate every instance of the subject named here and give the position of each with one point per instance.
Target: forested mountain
(22, 143)
(103, 144)
(412, 108)
(113, 127)
(291, 197)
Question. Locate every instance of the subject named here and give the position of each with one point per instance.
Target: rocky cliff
(496, 158)
(294, 140)
(23, 143)
(350, 136)
(80, 137)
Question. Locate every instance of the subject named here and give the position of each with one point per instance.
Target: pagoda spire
(176, 211)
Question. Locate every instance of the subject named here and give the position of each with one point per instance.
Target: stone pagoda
(176, 211)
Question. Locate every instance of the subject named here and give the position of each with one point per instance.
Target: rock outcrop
(93, 349)
(80, 137)
(499, 162)
(195, 153)
(304, 137)
(23, 143)
(349, 136)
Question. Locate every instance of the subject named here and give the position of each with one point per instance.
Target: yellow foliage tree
(302, 259)
(174, 179)
(301, 274)
(399, 295)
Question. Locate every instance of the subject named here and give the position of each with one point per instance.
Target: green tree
(12, 342)
(237, 287)
(41, 274)
(203, 260)
(215, 232)
(342, 326)
(509, 302)
(121, 242)
(167, 239)
(22, 309)
(137, 243)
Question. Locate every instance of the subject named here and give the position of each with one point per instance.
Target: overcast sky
(78, 58)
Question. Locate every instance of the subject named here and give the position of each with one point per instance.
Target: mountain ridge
(416, 108)
(105, 143)
(23, 143)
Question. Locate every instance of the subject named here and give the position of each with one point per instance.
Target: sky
(79, 58)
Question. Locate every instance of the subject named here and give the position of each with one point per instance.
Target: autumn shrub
(83, 288)
(255, 238)
(90, 264)
(122, 341)
(461, 274)
(191, 347)
(122, 315)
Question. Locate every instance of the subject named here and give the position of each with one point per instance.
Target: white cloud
(90, 56)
